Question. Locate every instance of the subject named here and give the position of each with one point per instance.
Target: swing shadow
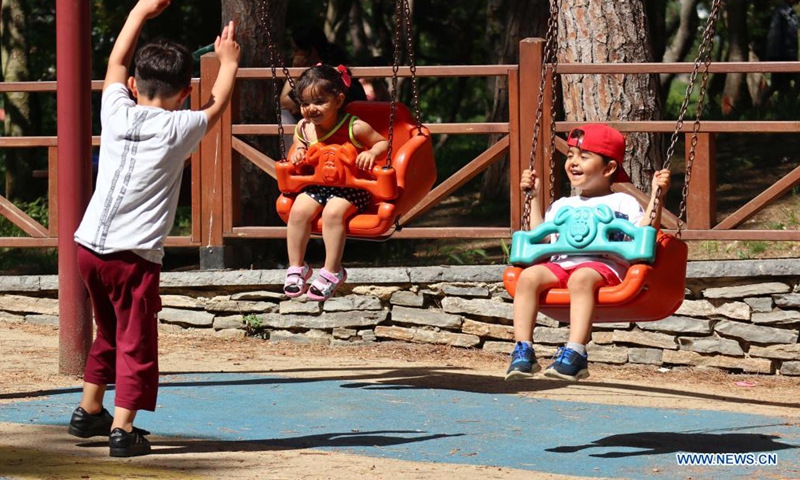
(376, 438)
(451, 378)
(661, 443)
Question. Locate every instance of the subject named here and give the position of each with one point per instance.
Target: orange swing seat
(647, 293)
(394, 190)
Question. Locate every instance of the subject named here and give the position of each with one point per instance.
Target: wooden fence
(214, 171)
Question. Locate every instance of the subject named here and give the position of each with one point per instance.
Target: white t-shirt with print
(142, 154)
(623, 205)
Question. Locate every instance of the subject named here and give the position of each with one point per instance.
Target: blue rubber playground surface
(254, 412)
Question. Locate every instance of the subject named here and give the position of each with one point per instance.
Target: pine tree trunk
(508, 22)
(611, 32)
(256, 102)
(20, 107)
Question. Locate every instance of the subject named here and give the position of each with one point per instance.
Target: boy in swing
(594, 162)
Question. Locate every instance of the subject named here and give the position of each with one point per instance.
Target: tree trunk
(508, 22)
(256, 102)
(20, 107)
(336, 21)
(656, 11)
(612, 32)
(734, 94)
(681, 43)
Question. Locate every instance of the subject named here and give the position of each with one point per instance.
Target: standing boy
(121, 238)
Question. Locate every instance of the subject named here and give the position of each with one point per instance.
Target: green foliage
(182, 226)
(506, 248)
(752, 249)
(253, 324)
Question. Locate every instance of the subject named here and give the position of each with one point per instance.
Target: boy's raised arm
(228, 53)
(125, 45)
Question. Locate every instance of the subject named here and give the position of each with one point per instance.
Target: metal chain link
(553, 100)
(413, 65)
(275, 58)
(704, 58)
(551, 39)
(398, 13)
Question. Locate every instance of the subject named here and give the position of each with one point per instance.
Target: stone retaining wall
(738, 316)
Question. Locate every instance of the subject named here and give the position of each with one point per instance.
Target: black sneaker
(128, 444)
(85, 425)
(568, 365)
(523, 362)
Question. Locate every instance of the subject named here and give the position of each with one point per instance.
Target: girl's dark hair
(324, 77)
(162, 69)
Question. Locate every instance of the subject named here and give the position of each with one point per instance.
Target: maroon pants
(124, 291)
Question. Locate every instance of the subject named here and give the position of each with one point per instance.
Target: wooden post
(232, 162)
(547, 124)
(195, 170)
(531, 51)
(212, 248)
(514, 158)
(701, 202)
(52, 189)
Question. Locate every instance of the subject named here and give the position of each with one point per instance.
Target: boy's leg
(571, 362)
(90, 419)
(137, 303)
(298, 230)
(334, 215)
(531, 283)
(583, 285)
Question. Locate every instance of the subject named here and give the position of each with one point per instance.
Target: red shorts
(563, 274)
(124, 290)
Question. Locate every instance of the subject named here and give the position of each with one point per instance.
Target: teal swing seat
(584, 231)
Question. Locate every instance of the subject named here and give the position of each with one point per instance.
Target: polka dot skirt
(362, 199)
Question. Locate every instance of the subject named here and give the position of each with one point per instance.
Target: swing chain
(275, 58)
(553, 97)
(704, 58)
(398, 13)
(413, 65)
(548, 56)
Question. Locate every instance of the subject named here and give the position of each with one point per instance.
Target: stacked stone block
(743, 319)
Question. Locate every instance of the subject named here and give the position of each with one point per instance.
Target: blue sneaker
(523, 362)
(568, 365)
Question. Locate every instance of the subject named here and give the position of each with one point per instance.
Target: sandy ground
(29, 365)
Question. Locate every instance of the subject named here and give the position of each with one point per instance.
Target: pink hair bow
(345, 76)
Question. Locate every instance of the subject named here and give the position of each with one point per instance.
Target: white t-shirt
(623, 205)
(142, 154)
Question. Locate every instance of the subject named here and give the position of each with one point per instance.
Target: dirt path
(28, 360)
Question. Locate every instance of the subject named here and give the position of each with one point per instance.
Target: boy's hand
(152, 8)
(365, 160)
(661, 179)
(226, 47)
(529, 181)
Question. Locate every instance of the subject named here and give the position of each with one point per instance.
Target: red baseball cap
(603, 140)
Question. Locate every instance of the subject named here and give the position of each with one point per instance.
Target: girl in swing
(594, 162)
(321, 92)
